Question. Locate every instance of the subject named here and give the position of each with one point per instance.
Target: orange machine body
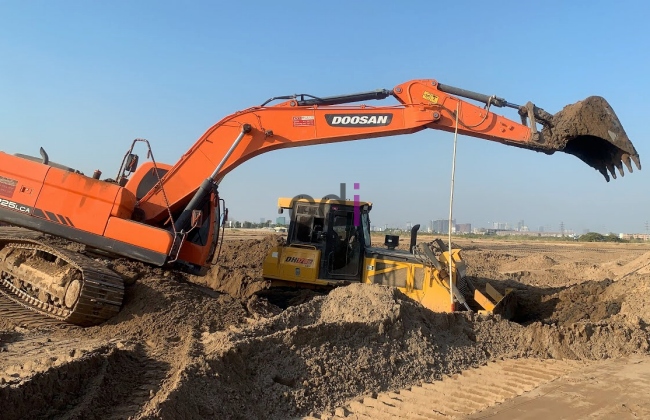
(69, 204)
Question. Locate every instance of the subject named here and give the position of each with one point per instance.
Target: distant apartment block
(464, 228)
(637, 236)
(442, 225)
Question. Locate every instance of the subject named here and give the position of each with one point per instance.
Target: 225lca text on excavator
(170, 215)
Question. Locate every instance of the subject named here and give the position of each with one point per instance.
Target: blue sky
(83, 79)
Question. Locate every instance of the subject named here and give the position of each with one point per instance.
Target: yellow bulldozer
(329, 245)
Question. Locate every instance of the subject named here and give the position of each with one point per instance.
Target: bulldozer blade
(505, 306)
(590, 130)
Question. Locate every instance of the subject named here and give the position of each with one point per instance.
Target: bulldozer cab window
(344, 248)
(303, 228)
(308, 225)
(365, 224)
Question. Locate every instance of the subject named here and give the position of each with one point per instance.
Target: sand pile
(181, 350)
(530, 262)
(316, 355)
(363, 339)
(119, 368)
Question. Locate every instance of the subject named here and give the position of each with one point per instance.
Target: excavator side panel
(20, 182)
(76, 200)
(139, 235)
(66, 204)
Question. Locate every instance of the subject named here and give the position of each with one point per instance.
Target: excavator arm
(588, 129)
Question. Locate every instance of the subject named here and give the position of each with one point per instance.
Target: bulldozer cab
(339, 229)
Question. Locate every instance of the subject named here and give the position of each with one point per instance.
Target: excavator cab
(329, 245)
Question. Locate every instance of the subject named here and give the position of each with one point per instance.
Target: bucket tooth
(628, 162)
(612, 170)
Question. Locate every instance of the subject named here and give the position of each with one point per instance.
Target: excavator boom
(588, 129)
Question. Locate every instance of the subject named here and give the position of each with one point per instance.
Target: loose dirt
(590, 130)
(190, 347)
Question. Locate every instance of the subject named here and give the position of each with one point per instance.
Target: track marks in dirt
(456, 396)
(111, 381)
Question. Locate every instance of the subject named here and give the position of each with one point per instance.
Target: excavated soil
(238, 271)
(190, 347)
(590, 130)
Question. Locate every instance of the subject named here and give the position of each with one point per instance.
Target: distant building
(464, 228)
(638, 236)
(442, 225)
(280, 221)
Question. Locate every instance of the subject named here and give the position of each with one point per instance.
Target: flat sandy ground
(213, 347)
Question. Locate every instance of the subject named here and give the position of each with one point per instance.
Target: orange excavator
(170, 215)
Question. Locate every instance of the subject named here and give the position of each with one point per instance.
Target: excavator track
(25, 317)
(56, 282)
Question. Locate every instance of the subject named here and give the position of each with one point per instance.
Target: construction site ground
(212, 347)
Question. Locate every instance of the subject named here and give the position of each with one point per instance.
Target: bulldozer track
(456, 396)
(100, 295)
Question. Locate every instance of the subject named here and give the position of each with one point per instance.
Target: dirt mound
(587, 301)
(238, 271)
(640, 265)
(486, 263)
(363, 339)
(531, 262)
(96, 382)
(313, 356)
(158, 330)
(182, 350)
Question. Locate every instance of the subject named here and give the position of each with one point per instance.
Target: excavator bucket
(590, 130)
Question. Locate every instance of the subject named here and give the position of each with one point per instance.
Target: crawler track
(23, 316)
(100, 290)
